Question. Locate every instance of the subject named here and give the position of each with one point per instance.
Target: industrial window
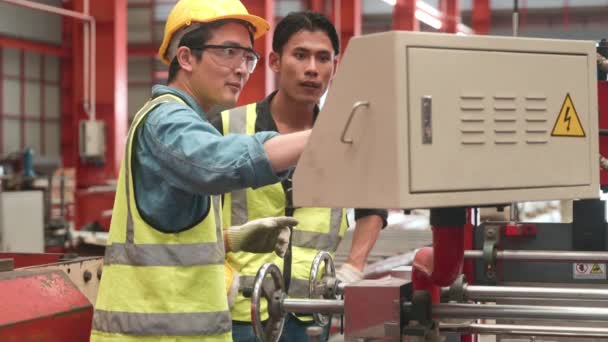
(29, 102)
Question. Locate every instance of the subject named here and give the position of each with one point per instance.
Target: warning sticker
(589, 271)
(568, 123)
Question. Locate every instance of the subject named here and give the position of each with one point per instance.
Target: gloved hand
(348, 274)
(232, 278)
(261, 236)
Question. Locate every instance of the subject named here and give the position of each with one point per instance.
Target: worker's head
(305, 49)
(208, 45)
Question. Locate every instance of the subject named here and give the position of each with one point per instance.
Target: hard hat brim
(260, 24)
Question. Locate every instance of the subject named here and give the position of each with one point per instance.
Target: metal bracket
(491, 238)
(456, 292)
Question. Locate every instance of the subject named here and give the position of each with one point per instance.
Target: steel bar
(495, 292)
(536, 330)
(543, 256)
(481, 311)
(310, 306)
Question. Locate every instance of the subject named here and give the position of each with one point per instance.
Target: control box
(439, 120)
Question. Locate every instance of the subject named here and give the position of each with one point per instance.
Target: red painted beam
(451, 19)
(1, 99)
(29, 45)
(31, 259)
(404, 16)
(22, 98)
(111, 97)
(315, 5)
(481, 16)
(347, 19)
(261, 82)
(143, 50)
(602, 97)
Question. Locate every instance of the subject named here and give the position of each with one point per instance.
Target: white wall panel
(32, 99)
(138, 95)
(52, 138)
(11, 134)
(32, 135)
(32, 65)
(52, 108)
(11, 97)
(31, 24)
(10, 62)
(51, 68)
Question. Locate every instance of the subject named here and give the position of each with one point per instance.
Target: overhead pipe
(89, 46)
(433, 268)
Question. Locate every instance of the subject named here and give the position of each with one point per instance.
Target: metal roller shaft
(310, 306)
(536, 330)
(543, 256)
(494, 292)
(480, 311)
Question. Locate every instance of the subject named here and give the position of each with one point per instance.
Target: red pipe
(440, 265)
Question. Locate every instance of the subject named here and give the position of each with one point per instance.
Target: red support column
(261, 82)
(22, 116)
(451, 18)
(111, 104)
(404, 16)
(1, 101)
(43, 124)
(316, 5)
(347, 19)
(481, 16)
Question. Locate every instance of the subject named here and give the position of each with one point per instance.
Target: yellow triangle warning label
(596, 269)
(568, 123)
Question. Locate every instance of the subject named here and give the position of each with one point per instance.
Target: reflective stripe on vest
(152, 269)
(239, 207)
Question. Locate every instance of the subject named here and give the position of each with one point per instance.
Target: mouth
(234, 85)
(311, 85)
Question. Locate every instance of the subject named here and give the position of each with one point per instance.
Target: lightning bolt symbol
(567, 118)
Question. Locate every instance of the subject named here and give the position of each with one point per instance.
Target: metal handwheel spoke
(318, 285)
(268, 285)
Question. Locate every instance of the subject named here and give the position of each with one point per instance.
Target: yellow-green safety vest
(160, 286)
(319, 229)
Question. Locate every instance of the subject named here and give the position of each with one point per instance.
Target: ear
(274, 61)
(336, 60)
(185, 58)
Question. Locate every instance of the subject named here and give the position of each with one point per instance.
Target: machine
(456, 123)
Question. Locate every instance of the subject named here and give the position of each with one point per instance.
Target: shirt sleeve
(195, 157)
(383, 213)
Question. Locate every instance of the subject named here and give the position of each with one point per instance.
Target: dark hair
(201, 36)
(295, 22)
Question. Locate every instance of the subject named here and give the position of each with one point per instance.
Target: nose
(241, 68)
(311, 67)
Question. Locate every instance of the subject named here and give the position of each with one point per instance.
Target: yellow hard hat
(187, 12)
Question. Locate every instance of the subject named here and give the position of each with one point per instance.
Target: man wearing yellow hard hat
(163, 276)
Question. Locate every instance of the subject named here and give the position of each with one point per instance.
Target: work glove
(348, 274)
(261, 236)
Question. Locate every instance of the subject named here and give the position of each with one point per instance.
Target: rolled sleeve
(195, 157)
(383, 213)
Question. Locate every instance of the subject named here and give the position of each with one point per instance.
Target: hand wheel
(322, 285)
(269, 285)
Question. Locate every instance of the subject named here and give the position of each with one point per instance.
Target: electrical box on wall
(92, 143)
(444, 120)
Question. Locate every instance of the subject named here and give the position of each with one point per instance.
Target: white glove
(261, 236)
(348, 274)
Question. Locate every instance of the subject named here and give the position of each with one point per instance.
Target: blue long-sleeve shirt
(179, 159)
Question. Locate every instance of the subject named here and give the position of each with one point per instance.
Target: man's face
(218, 78)
(305, 66)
